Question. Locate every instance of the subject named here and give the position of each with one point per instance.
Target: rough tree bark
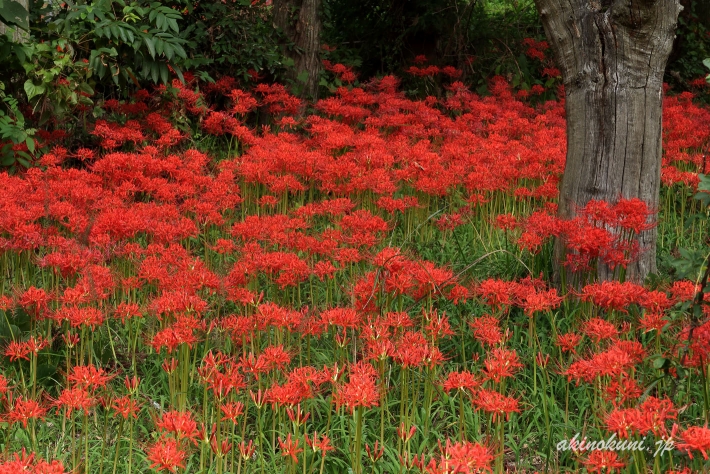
(612, 56)
(300, 22)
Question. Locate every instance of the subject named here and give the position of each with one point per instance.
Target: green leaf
(160, 21)
(23, 162)
(178, 71)
(13, 13)
(8, 160)
(303, 77)
(85, 88)
(154, 72)
(707, 63)
(660, 362)
(164, 73)
(168, 50)
(180, 51)
(172, 23)
(151, 46)
(31, 90)
(30, 142)
(19, 50)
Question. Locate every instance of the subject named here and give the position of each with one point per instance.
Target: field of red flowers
(363, 289)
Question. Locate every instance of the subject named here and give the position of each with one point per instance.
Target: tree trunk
(300, 22)
(612, 56)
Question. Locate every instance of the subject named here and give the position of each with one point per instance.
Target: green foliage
(234, 38)
(692, 264)
(54, 83)
(12, 127)
(692, 45)
(123, 41)
(12, 13)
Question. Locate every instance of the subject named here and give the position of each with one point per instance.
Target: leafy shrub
(235, 38)
(123, 41)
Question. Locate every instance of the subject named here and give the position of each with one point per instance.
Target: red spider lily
(125, 311)
(698, 341)
(620, 357)
(614, 295)
(461, 457)
(376, 452)
(622, 422)
(463, 381)
(258, 398)
(655, 413)
(222, 383)
(438, 326)
(89, 377)
(22, 350)
(232, 411)
(180, 424)
(25, 410)
(5, 302)
(76, 398)
(71, 340)
(361, 390)
(4, 386)
(169, 365)
(404, 434)
(296, 415)
(495, 293)
(653, 322)
(125, 407)
(253, 365)
(341, 317)
(542, 360)
(289, 448)
(131, 384)
(541, 301)
(486, 330)
(34, 300)
(22, 462)
(416, 461)
(568, 342)
(321, 445)
(694, 438)
(166, 455)
(495, 403)
(80, 317)
(501, 363)
(683, 291)
(182, 331)
(412, 349)
(622, 389)
(601, 461)
(16, 351)
(246, 450)
(598, 329)
(275, 357)
(222, 448)
(649, 418)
